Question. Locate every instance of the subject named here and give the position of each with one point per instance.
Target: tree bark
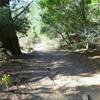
(64, 38)
(8, 35)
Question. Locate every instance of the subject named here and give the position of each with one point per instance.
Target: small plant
(6, 80)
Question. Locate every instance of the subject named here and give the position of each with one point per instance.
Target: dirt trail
(52, 75)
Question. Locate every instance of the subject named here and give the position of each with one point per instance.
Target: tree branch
(16, 9)
(22, 11)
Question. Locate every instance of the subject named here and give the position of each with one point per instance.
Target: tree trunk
(83, 13)
(8, 35)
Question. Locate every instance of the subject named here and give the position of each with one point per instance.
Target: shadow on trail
(81, 92)
(31, 68)
(36, 66)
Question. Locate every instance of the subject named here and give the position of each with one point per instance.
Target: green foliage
(5, 16)
(68, 17)
(6, 80)
(21, 24)
(76, 46)
(94, 9)
(60, 15)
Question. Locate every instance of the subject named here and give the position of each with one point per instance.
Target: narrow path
(53, 75)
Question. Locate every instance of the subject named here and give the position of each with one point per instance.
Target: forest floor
(53, 75)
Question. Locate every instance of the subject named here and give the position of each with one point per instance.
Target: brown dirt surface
(52, 75)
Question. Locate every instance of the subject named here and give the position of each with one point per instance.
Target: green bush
(6, 80)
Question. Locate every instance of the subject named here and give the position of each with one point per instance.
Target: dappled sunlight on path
(54, 75)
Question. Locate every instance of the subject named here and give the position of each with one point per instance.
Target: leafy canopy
(15, 16)
(68, 17)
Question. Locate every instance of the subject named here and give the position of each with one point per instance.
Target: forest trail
(52, 75)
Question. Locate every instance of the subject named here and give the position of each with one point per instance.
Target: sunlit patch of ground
(29, 44)
(26, 44)
(46, 45)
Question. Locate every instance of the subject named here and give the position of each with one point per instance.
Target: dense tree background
(76, 21)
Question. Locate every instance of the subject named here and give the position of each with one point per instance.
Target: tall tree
(9, 25)
(7, 32)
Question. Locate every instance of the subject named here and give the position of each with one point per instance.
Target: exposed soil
(52, 75)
